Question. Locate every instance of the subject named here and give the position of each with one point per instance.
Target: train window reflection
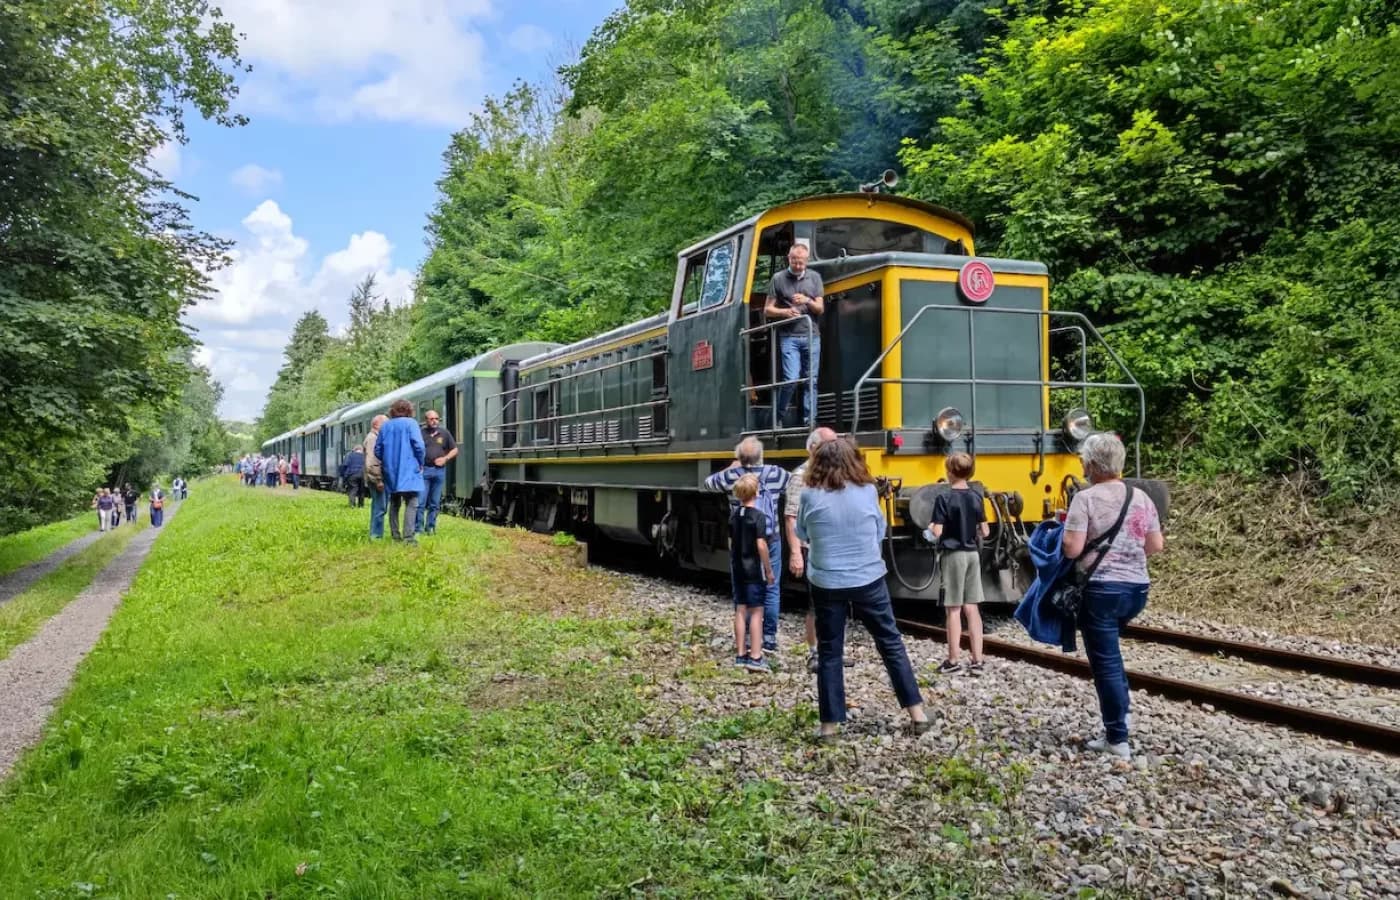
(852, 237)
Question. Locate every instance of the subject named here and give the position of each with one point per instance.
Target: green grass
(19, 550)
(280, 709)
(22, 615)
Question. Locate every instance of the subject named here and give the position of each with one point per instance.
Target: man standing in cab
(441, 449)
(795, 294)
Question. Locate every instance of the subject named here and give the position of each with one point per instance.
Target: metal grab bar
(774, 384)
(972, 380)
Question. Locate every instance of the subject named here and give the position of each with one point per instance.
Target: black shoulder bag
(1067, 596)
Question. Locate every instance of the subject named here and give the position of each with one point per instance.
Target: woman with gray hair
(1111, 529)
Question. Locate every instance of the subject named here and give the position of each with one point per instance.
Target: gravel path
(999, 791)
(37, 673)
(18, 581)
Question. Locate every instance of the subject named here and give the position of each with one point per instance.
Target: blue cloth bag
(1042, 622)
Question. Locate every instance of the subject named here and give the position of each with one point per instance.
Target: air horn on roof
(888, 180)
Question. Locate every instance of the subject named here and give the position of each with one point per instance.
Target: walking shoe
(756, 665)
(976, 668)
(770, 646)
(741, 662)
(847, 662)
(921, 727)
(1101, 745)
(812, 663)
(948, 667)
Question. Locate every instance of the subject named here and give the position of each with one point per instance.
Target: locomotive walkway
(37, 673)
(20, 580)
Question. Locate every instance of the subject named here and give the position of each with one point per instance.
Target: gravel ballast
(1210, 806)
(37, 673)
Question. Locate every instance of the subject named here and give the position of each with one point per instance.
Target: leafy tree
(310, 339)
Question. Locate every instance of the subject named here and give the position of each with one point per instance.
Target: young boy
(751, 571)
(958, 521)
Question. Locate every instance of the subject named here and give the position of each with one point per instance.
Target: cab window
(708, 275)
(852, 237)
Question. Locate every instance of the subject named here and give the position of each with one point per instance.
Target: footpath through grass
(23, 614)
(280, 709)
(19, 550)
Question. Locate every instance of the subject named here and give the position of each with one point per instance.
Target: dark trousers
(870, 604)
(296, 480)
(409, 501)
(355, 489)
(1108, 606)
(131, 512)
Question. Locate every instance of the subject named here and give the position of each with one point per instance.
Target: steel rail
(1369, 735)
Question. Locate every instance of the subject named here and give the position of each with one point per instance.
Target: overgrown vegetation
(379, 720)
(19, 550)
(97, 257)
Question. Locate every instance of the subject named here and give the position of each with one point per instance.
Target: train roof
(872, 199)
(597, 340)
(486, 365)
(281, 437)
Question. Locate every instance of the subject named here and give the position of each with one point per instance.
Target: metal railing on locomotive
(511, 399)
(1084, 327)
(774, 344)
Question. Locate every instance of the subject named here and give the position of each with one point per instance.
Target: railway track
(1357, 732)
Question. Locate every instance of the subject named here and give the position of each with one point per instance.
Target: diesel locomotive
(927, 349)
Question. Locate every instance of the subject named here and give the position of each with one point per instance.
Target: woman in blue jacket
(401, 452)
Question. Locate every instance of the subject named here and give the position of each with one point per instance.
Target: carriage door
(706, 358)
(454, 418)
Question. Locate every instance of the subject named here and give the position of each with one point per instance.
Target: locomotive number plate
(702, 357)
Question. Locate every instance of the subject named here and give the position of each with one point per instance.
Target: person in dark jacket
(352, 475)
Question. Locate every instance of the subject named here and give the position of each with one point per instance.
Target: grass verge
(22, 615)
(280, 709)
(19, 550)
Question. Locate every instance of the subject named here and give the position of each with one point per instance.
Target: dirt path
(18, 581)
(37, 673)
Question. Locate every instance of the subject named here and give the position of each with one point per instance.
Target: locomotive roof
(873, 199)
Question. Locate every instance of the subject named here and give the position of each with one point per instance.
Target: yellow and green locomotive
(926, 349)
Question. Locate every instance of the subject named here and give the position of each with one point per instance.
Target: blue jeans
(871, 604)
(378, 508)
(1108, 606)
(799, 361)
(430, 498)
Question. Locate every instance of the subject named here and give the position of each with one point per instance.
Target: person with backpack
(1110, 531)
(130, 497)
(157, 506)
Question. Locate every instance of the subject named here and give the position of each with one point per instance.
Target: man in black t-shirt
(795, 294)
(439, 449)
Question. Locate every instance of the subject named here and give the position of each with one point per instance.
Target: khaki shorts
(962, 577)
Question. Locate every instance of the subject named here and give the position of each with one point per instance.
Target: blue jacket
(400, 449)
(354, 465)
(1042, 622)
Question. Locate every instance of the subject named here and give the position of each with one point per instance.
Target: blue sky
(352, 103)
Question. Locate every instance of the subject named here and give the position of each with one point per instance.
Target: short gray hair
(818, 437)
(803, 248)
(1103, 455)
(749, 451)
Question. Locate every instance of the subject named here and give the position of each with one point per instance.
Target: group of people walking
(402, 468)
(112, 504)
(834, 527)
(272, 470)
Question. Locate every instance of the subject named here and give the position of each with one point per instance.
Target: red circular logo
(976, 282)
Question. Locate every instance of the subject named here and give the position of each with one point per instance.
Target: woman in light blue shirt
(839, 516)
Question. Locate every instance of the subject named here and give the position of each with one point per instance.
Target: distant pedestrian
(751, 571)
(130, 497)
(177, 488)
(374, 480)
(294, 469)
(840, 518)
(441, 449)
(105, 504)
(401, 453)
(959, 521)
(157, 506)
(352, 475)
(748, 460)
(270, 469)
(1111, 530)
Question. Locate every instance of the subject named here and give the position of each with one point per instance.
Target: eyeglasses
(432, 418)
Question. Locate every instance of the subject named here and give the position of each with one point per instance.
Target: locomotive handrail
(972, 380)
(1083, 357)
(775, 384)
(575, 377)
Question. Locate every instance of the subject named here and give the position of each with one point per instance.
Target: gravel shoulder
(1210, 806)
(17, 582)
(37, 673)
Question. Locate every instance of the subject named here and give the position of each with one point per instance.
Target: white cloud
(529, 39)
(166, 159)
(405, 61)
(271, 281)
(254, 179)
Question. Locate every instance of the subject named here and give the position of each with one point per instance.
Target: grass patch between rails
(19, 550)
(23, 614)
(281, 709)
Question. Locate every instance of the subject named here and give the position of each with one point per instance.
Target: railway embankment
(279, 708)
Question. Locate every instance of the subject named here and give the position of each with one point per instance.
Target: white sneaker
(1101, 745)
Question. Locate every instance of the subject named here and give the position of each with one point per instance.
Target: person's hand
(795, 564)
(438, 462)
(768, 577)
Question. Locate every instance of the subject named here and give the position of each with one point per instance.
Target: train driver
(795, 294)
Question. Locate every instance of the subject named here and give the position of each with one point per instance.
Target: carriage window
(853, 237)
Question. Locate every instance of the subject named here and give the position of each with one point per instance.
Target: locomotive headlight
(1078, 424)
(949, 424)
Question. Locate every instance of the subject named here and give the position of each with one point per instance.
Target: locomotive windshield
(854, 237)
